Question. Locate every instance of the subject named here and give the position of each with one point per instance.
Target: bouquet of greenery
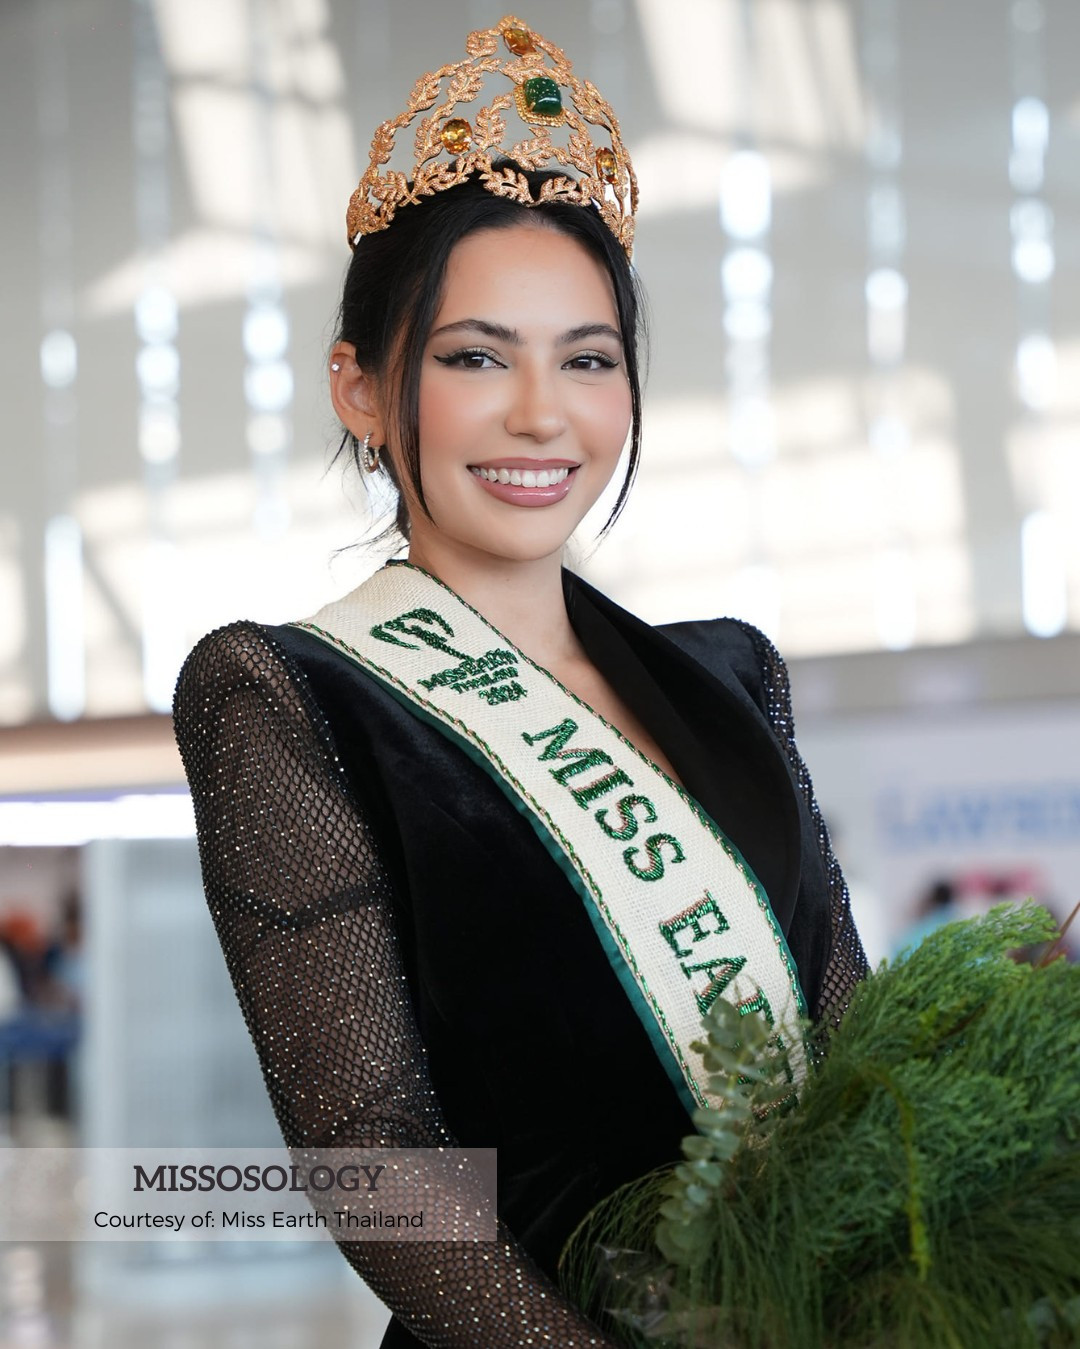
(924, 1192)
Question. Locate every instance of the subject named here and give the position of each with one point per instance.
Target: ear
(355, 395)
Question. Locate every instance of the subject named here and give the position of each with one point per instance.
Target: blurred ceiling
(863, 422)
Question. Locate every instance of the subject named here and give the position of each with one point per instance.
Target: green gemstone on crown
(542, 96)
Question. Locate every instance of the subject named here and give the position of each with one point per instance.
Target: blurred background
(860, 236)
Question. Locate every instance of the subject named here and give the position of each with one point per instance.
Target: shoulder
(249, 655)
(734, 647)
(731, 650)
(237, 656)
(243, 672)
(245, 711)
(249, 681)
(227, 644)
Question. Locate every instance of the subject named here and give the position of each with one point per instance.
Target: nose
(535, 408)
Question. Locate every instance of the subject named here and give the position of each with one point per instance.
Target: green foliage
(924, 1193)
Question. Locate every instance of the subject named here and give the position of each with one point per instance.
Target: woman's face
(524, 401)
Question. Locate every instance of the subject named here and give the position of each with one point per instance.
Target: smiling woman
(481, 846)
(404, 294)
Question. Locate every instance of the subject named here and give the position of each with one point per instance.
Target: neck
(524, 600)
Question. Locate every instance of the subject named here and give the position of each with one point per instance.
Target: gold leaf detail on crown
(483, 42)
(445, 154)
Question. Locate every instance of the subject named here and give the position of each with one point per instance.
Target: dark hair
(394, 285)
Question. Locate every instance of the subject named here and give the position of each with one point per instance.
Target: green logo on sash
(492, 676)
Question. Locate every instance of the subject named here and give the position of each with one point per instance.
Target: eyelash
(458, 358)
(606, 362)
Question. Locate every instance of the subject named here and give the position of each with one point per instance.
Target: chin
(501, 532)
(524, 537)
(523, 549)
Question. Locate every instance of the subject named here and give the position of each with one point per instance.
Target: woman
(475, 837)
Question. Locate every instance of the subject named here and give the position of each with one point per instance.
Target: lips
(526, 482)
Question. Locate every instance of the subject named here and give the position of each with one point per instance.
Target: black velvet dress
(416, 970)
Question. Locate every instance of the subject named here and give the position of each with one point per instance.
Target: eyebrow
(499, 333)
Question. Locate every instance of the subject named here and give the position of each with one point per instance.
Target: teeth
(526, 477)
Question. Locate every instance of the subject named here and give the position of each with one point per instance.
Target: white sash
(680, 914)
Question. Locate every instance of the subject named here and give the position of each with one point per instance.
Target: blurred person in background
(937, 907)
(23, 942)
(10, 984)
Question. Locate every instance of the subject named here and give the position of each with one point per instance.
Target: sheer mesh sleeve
(847, 961)
(305, 914)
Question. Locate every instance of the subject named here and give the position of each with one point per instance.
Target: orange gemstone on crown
(607, 166)
(456, 135)
(519, 41)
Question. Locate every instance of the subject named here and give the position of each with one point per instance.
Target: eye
(471, 358)
(591, 360)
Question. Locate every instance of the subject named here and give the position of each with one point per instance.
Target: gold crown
(539, 72)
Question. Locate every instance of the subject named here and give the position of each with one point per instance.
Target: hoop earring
(369, 455)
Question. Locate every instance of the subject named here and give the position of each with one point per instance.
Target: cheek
(435, 411)
(609, 418)
(449, 413)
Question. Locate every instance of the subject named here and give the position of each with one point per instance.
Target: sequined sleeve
(304, 911)
(847, 962)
